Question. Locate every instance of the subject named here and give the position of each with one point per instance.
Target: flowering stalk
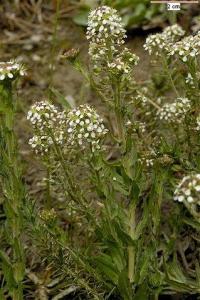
(106, 35)
(72, 189)
(13, 192)
(118, 111)
(188, 193)
(167, 70)
(48, 186)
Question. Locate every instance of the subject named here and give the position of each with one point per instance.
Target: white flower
(161, 43)
(148, 158)
(136, 127)
(43, 115)
(174, 112)
(188, 190)
(48, 124)
(10, 70)
(40, 144)
(156, 43)
(187, 48)
(123, 62)
(189, 80)
(106, 36)
(173, 32)
(89, 131)
(105, 33)
(198, 123)
(103, 23)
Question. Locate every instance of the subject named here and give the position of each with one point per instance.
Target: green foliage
(13, 266)
(107, 224)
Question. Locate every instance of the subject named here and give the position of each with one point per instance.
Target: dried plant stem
(154, 104)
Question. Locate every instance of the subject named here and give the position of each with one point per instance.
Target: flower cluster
(40, 143)
(175, 112)
(189, 80)
(188, 190)
(123, 62)
(104, 24)
(136, 127)
(148, 158)
(161, 42)
(105, 33)
(10, 70)
(71, 54)
(187, 48)
(98, 53)
(174, 32)
(198, 123)
(48, 215)
(48, 124)
(165, 160)
(42, 115)
(142, 98)
(85, 127)
(156, 43)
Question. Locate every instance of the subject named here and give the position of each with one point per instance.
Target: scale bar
(174, 1)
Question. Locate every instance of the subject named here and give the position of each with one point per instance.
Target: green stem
(13, 191)
(166, 67)
(48, 186)
(131, 249)
(73, 190)
(189, 142)
(118, 111)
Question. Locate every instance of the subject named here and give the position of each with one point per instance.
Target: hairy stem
(167, 70)
(118, 111)
(131, 249)
(13, 192)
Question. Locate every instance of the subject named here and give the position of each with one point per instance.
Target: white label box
(174, 6)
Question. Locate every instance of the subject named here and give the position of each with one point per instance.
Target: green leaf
(18, 271)
(177, 279)
(82, 17)
(5, 258)
(144, 266)
(138, 15)
(60, 98)
(135, 191)
(142, 223)
(2, 297)
(197, 269)
(142, 293)
(7, 269)
(124, 286)
(117, 254)
(123, 236)
(193, 223)
(106, 266)
(119, 184)
(175, 272)
(128, 163)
